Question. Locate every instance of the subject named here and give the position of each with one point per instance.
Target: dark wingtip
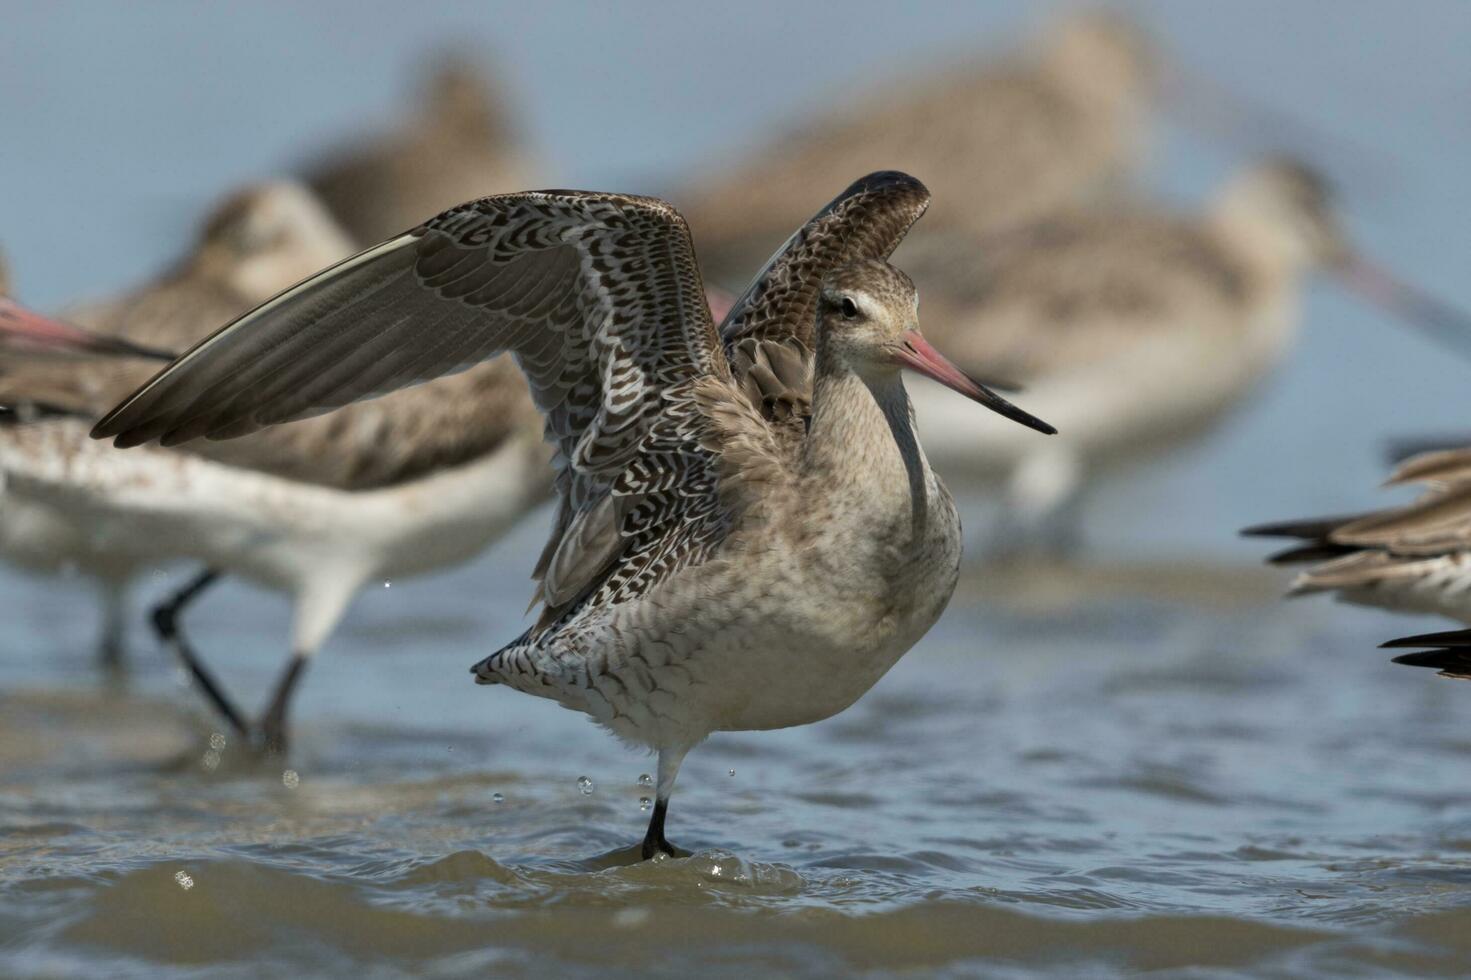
(1445, 639)
(1302, 554)
(1455, 664)
(888, 182)
(888, 178)
(1308, 528)
(106, 426)
(1276, 529)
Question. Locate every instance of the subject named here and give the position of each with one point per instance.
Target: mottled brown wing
(674, 508)
(401, 436)
(598, 299)
(596, 295)
(768, 332)
(866, 221)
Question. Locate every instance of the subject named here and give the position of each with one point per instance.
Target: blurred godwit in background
(460, 142)
(255, 244)
(1414, 558)
(1000, 142)
(411, 483)
(749, 534)
(1134, 330)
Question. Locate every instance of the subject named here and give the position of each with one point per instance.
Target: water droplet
(731, 773)
(217, 741)
(497, 797)
(644, 803)
(646, 780)
(211, 760)
(585, 784)
(184, 880)
(388, 585)
(290, 779)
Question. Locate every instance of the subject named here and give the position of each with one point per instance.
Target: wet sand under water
(1100, 769)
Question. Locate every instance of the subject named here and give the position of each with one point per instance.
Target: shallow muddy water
(1086, 781)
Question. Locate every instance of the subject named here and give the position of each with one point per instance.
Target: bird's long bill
(916, 353)
(1438, 319)
(25, 331)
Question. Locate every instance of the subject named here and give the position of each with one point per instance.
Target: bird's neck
(862, 438)
(1269, 249)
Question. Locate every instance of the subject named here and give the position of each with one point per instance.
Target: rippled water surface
(1147, 762)
(1062, 775)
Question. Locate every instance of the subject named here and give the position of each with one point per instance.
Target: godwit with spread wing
(1001, 143)
(412, 483)
(461, 143)
(749, 535)
(1133, 330)
(1415, 558)
(255, 244)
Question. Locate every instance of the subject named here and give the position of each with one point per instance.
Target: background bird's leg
(318, 610)
(1043, 508)
(654, 840)
(166, 624)
(273, 729)
(113, 641)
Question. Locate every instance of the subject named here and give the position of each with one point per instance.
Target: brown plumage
(1415, 557)
(1000, 143)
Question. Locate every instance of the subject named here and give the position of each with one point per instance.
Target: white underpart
(1138, 403)
(85, 504)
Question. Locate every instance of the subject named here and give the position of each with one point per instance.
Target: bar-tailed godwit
(749, 534)
(1134, 330)
(1414, 558)
(1001, 142)
(253, 245)
(315, 509)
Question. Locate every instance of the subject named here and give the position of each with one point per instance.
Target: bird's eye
(849, 308)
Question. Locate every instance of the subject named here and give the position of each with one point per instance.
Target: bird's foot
(655, 846)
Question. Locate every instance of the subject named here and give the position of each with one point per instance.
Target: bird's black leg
(166, 624)
(112, 645)
(654, 842)
(273, 735)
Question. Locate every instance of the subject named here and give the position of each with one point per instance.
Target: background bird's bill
(24, 331)
(1442, 322)
(917, 354)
